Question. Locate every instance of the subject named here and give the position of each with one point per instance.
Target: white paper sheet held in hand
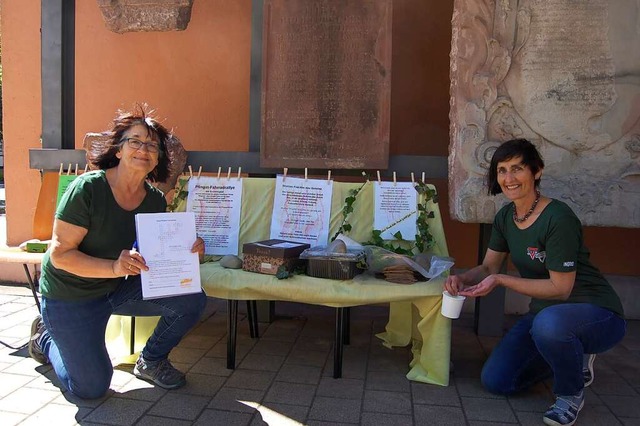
(165, 241)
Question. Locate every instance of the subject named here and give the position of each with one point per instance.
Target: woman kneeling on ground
(90, 272)
(574, 312)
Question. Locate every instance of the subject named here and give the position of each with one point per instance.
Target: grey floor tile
(335, 410)
(11, 382)
(179, 406)
(262, 362)
(27, 400)
(387, 402)
(473, 387)
(623, 406)
(228, 399)
(598, 415)
(250, 379)
(223, 418)
(200, 341)
(290, 393)
(381, 419)
(272, 347)
(186, 355)
(202, 384)
(341, 388)
(378, 380)
(437, 416)
(617, 386)
(308, 358)
(61, 415)
(314, 343)
(485, 409)
(211, 366)
(299, 374)
(12, 419)
(536, 399)
(423, 393)
(162, 421)
(275, 413)
(118, 411)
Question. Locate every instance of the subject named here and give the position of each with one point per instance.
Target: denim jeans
(551, 343)
(75, 338)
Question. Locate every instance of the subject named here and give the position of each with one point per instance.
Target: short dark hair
(156, 131)
(513, 149)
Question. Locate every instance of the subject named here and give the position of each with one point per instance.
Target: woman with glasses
(574, 313)
(91, 271)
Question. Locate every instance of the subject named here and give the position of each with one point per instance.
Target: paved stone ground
(287, 373)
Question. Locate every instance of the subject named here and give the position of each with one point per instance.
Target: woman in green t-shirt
(91, 270)
(574, 312)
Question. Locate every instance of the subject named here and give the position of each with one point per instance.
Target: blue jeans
(75, 338)
(551, 343)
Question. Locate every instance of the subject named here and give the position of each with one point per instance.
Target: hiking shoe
(565, 411)
(35, 350)
(587, 369)
(162, 373)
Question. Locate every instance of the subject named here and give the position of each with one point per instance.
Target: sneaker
(587, 369)
(35, 350)
(565, 411)
(162, 373)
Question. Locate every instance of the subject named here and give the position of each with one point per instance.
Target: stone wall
(563, 74)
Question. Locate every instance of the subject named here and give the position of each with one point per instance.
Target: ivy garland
(423, 239)
(181, 194)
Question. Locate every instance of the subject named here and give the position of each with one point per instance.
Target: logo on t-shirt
(535, 254)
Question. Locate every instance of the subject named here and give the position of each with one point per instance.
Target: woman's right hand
(453, 285)
(130, 262)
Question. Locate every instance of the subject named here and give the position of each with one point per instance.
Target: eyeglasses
(137, 144)
(514, 170)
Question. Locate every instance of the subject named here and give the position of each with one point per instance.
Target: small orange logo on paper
(185, 282)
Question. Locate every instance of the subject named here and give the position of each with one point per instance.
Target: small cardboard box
(267, 256)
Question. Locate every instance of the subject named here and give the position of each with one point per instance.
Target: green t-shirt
(553, 242)
(89, 203)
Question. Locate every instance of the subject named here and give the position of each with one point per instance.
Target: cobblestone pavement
(285, 378)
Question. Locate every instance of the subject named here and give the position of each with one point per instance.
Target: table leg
(337, 349)
(32, 283)
(132, 340)
(232, 332)
(346, 338)
(252, 317)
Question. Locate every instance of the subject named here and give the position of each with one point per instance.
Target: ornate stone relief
(121, 16)
(563, 74)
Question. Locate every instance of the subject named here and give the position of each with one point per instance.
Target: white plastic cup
(451, 305)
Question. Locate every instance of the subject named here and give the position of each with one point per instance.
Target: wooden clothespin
(86, 167)
(328, 177)
(284, 174)
(190, 171)
(423, 177)
(229, 173)
(378, 173)
(394, 179)
(61, 169)
(305, 174)
(413, 179)
(239, 172)
(199, 171)
(76, 170)
(69, 170)
(365, 175)
(219, 170)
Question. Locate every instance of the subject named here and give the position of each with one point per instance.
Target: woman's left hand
(198, 247)
(483, 288)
